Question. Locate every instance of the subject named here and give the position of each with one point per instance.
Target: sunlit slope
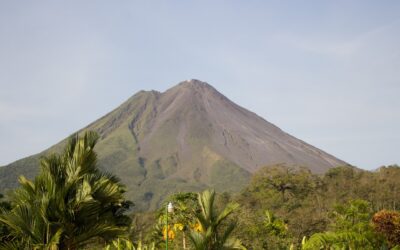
(185, 139)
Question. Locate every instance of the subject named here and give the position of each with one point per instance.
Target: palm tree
(211, 236)
(70, 202)
(4, 230)
(339, 240)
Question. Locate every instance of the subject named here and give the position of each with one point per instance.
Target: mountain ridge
(185, 139)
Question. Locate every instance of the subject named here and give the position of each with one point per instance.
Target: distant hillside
(185, 139)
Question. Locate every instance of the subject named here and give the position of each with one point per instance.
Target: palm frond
(70, 202)
(211, 220)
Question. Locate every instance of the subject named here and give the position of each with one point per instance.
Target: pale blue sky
(327, 72)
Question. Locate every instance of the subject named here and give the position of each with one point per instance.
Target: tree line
(71, 204)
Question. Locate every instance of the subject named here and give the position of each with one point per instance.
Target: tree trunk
(184, 240)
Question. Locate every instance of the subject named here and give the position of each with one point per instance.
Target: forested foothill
(71, 204)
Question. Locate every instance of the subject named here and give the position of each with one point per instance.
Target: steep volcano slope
(185, 139)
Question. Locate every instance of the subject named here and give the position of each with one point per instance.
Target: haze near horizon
(327, 73)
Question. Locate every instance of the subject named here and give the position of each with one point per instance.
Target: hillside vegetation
(72, 204)
(291, 208)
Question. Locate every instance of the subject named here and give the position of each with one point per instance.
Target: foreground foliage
(211, 236)
(72, 205)
(388, 224)
(351, 229)
(5, 206)
(69, 204)
(303, 204)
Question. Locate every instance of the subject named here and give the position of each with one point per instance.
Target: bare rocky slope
(188, 138)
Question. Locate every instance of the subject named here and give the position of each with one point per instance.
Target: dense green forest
(71, 204)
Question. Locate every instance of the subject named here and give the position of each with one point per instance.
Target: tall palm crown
(70, 202)
(214, 235)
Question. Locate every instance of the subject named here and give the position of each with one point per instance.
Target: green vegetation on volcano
(187, 138)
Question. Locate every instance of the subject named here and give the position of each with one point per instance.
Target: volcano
(187, 138)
